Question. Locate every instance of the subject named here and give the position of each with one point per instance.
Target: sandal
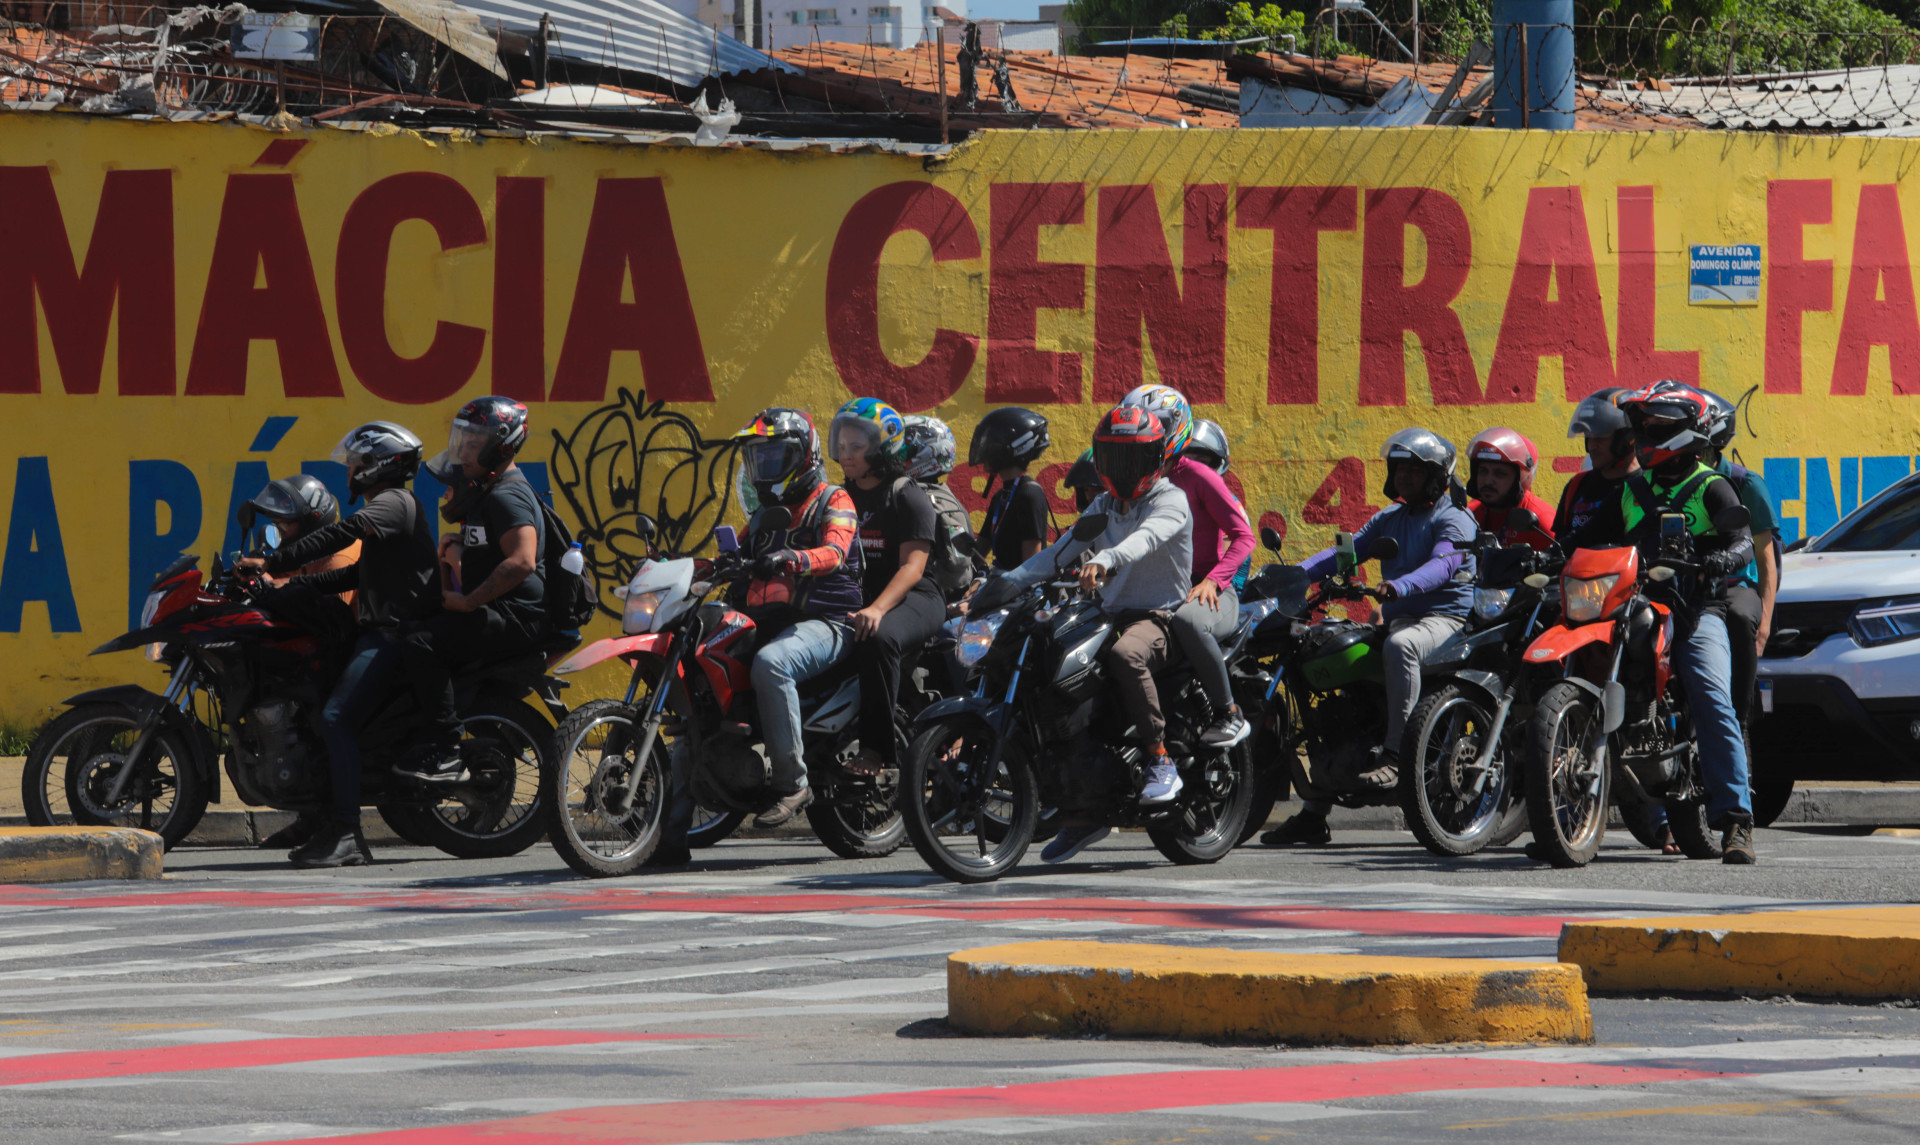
(1667, 845)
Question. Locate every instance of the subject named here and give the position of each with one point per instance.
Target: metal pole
(1416, 35)
(280, 83)
(940, 35)
(1526, 95)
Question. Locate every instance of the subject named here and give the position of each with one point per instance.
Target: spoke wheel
(969, 826)
(594, 771)
(1452, 806)
(1568, 776)
(496, 813)
(74, 762)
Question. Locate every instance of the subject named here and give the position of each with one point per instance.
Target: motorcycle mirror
(272, 535)
(1290, 584)
(773, 519)
(1345, 560)
(1383, 549)
(1538, 580)
(1660, 573)
(1732, 519)
(1522, 520)
(1270, 537)
(1089, 526)
(725, 539)
(645, 527)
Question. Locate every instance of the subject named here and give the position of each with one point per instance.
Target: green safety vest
(1644, 497)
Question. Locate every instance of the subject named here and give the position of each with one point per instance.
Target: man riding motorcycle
(1590, 504)
(1144, 559)
(1425, 604)
(394, 585)
(1500, 466)
(495, 602)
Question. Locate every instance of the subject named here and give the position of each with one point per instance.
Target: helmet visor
(769, 461)
(853, 437)
(1127, 467)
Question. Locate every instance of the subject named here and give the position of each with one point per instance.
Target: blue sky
(1003, 9)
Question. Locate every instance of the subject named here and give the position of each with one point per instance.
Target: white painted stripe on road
(642, 1022)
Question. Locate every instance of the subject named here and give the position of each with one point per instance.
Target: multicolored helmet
(882, 427)
(1670, 420)
(932, 450)
(1130, 451)
(780, 456)
(1170, 406)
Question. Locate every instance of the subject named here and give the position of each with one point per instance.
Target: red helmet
(1670, 420)
(1508, 445)
(1130, 448)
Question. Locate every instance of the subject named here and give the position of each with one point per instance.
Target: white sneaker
(1163, 783)
(1226, 731)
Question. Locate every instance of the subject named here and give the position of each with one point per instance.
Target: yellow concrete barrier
(1867, 952)
(1240, 995)
(66, 854)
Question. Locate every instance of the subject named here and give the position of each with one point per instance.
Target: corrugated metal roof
(634, 35)
(1867, 98)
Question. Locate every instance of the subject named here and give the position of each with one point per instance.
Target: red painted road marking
(280, 1051)
(677, 1123)
(1205, 916)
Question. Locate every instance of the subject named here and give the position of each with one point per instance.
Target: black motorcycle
(248, 683)
(1043, 729)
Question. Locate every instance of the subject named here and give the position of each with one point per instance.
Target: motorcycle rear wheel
(711, 826)
(78, 753)
(1213, 805)
(593, 765)
(1567, 813)
(507, 747)
(1447, 731)
(1688, 818)
(948, 820)
(859, 820)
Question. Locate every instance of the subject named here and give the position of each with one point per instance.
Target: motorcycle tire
(1213, 809)
(486, 818)
(858, 821)
(1513, 823)
(934, 807)
(1688, 820)
(1270, 781)
(590, 765)
(81, 743)
(1447, 723)
(711, 827)
(1770, 797)
(1638, 819)
(1568, 822)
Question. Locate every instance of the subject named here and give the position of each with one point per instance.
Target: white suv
(1840, 681)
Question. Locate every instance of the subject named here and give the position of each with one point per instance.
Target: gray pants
(1407, 644)
(1200, 630)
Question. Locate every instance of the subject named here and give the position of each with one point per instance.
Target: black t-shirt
(397, 576)
(892, 515)
(1589, 515)
(1017, 514)
(509, 505)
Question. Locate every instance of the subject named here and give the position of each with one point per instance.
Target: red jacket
(1495, 521)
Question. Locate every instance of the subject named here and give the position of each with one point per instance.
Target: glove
(1724, 562)
(768, 565)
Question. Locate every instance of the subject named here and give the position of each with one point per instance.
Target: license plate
(1766, 695)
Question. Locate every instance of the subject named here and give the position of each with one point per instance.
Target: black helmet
(1599, 414)
(1208, 445)
(1722, 421)
(487, 431)
(301, 499)
(378, 453)
(1007, 437)
(1420, 446)
(1084, 480)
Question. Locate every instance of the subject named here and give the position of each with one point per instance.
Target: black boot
(333, 846)
(298, 833)
(440, 765)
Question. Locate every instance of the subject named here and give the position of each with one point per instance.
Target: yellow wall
(735, 288)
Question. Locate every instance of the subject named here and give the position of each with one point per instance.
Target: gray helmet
(1208, 438)
(1598, 416)
(1424, 447)
(1722, 420)
(378, 453)
(931, 448)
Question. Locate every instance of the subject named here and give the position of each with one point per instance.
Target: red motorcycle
(1614, 727)
(608, 796)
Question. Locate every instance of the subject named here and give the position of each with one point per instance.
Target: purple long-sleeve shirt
(1222, 536)
(1435, 543)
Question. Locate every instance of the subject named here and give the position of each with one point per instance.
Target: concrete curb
(1868, 952)
(68, 854)
(1316, 999)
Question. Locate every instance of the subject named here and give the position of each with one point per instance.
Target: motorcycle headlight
(156, 652)
(637, 617)
(976, 636)
(1586, 599)
(1491, 602)
(152, 606)
(1886, 624)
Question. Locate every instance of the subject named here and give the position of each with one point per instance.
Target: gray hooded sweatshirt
(1147, 550)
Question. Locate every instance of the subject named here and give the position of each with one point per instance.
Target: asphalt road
(773, 992)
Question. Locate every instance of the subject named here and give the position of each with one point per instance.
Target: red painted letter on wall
(1185, 317)
(520, 288)
(1556, 258)
(853, 295)
(1390, 306)
(1795, 283)
(631, 233)
(260, 235)
(129, 258)
(1880, 265)
(1021, 286)
(1296, 216)
(1639, 363)
(360, 287)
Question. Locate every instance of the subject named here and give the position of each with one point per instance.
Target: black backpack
(572, 598)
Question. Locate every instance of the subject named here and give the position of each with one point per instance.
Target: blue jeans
(1704, 661)
(367, 681)
(779, 667)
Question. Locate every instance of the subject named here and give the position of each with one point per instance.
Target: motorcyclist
(493, 595)
(903, 606)
(1424, 604)
(1144, 559)
(296, 506)
(1590, 503)
(1005, 443)
(1084, 480)
(1222, 541)
(1500, 468)
(1670, 425)
(1751, 591)
(394, 584)
(930, 454)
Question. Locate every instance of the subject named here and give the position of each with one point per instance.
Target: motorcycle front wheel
(505, 745)
(76, 760)
(1566, 799)
(968, 826)
(1451, 808)
(1213, 803)
(594, 769)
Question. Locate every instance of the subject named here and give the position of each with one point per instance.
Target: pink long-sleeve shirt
(1222, 536)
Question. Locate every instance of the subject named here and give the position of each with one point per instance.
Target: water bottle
(574, 560)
